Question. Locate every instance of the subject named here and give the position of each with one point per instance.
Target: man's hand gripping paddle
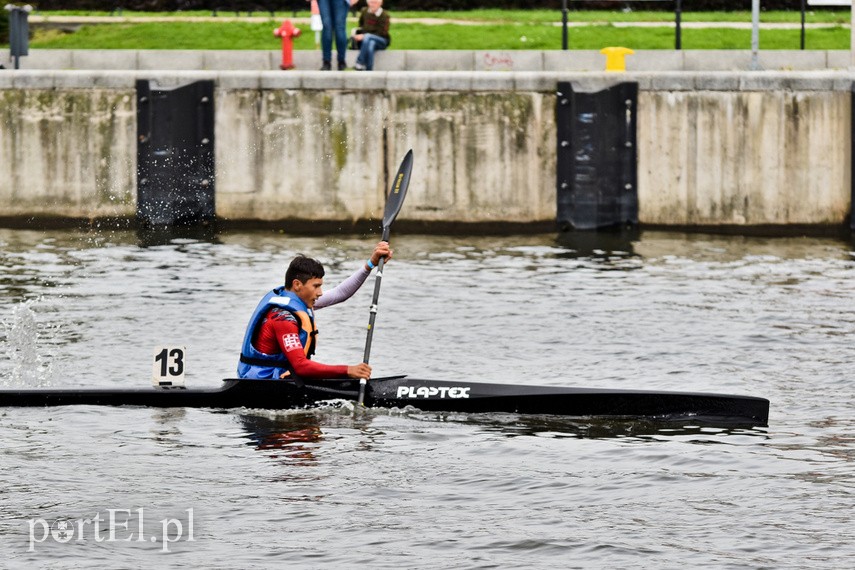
(394, 201)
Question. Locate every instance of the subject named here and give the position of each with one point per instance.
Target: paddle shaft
(374, 302)
(373, 317)
(394, 201)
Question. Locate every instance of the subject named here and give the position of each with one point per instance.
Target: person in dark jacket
(372, 33)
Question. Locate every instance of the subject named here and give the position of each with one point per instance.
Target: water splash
(28, 369)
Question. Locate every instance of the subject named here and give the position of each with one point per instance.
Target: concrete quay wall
(720, 148)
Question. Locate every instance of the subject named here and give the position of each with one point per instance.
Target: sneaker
(359, 67)
(342, 66)
(326, 66)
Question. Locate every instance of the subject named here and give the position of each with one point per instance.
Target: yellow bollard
(615, 57)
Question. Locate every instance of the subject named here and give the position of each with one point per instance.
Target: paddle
(394, 201)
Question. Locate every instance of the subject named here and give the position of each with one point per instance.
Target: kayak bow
(427, 395)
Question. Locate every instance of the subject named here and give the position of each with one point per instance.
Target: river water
(407, 489)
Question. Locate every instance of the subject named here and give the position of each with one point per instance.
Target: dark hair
(302, 269)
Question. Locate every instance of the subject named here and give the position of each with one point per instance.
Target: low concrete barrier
(434, 60)
(713, 148)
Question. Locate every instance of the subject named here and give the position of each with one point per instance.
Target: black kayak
(428, 395)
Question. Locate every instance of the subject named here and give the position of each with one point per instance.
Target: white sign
(116, 529)
(168, 367)
(829, 2)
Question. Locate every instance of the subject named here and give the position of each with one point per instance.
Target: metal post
(852, 39)
(755, 35)
(564, 24)
(678, 16)
(802, 43)
(852, 154)
(19, 32)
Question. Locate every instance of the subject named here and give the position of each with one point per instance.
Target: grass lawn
(498, 36)
(534, 16)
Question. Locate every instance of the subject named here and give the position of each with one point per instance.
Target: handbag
(353, 43)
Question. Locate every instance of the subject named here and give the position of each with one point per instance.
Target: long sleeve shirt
(280, 333)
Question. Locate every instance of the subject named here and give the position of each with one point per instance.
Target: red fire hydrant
(287, 32)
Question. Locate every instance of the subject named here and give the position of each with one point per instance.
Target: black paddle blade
(395, 199)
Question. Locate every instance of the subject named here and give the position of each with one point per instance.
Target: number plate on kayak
(168, 367)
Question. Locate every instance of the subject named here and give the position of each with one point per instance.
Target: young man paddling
(281, 336)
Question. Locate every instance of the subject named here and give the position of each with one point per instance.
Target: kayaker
(281, 336)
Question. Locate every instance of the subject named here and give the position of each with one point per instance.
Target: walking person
(334, 19)
(372, 33)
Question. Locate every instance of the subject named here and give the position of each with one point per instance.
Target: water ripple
(407, 488)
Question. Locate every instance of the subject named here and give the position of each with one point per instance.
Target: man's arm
(288, 338)
(344, 290)
(351, 285)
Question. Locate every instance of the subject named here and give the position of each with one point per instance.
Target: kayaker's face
(310, 291)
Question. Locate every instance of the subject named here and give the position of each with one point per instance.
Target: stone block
(764, 81)
(667, 81)
(844, 81)
(573, 60)
(838, 59)
(812, 81)
(536, 81)
(34, 79)
(593, 82)
(655, 60)
(446, 60)
(408, 81)
(787, 81)
(75, 79)
(303, 60)
(450, 81)
(717, 81)
(171, 60)
(243, 60)
(239, 79)
(323, 79)
(104, 59)
(491, 81)
(46, 59)
(365, 80)
(282, 79)
(786, 60)
(124, 79)
(390, 60)
(173, 79)
(508, 61)
(716, 60)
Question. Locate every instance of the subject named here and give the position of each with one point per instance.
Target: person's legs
(325, 8)
(339, 17)
(370, 44)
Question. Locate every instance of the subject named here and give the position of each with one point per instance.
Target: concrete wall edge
(825, 80)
